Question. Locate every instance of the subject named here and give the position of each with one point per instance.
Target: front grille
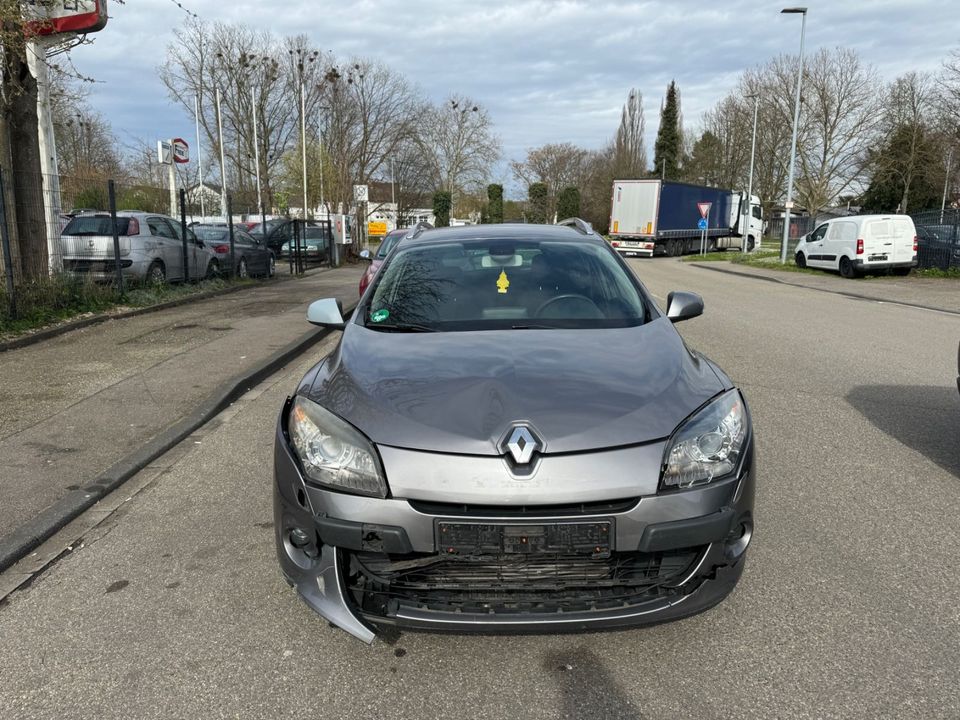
(514, 583)
(604, 507)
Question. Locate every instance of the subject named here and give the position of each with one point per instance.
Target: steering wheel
(569, 296)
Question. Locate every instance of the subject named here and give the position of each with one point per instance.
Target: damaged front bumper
(362, 562)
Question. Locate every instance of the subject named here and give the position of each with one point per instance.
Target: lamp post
(745, 230)
(303, 58)
(788, 205)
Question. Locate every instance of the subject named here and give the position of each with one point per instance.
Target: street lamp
(303, 57)
(788, 205)
(753, 149)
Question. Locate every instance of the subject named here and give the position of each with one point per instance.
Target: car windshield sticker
(379, 315)
(503, 283)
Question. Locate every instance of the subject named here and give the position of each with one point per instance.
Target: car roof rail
(578, 224)
(417, 229)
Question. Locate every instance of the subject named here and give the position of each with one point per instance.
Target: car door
(814, 249)
(840, 240)
(198, 257)
(171, 251)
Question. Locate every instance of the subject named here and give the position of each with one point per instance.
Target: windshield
(388, 242)
(499, 284)
(95, 225)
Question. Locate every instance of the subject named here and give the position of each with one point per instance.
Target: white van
(860, 243)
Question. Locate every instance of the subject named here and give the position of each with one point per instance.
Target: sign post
(704, 208)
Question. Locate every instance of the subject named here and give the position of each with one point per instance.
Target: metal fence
(938, 238)
(42, 273)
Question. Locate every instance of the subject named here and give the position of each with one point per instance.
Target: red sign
(704, 209)
(52, 17)
(181, 150)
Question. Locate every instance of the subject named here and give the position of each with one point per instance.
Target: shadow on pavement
(587, 690)
(925, 418)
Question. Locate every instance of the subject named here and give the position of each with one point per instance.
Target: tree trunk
(20, 114)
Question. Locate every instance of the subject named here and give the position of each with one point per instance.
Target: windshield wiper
(401, 327)
(533, 326)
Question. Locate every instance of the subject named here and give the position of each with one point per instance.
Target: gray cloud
(548, 71)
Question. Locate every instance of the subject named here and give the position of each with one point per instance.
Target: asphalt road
(848, 607)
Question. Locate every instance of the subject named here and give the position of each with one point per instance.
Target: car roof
(503, 231)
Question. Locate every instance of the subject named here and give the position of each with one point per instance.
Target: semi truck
(662, 217)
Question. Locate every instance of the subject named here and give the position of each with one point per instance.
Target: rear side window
(843, 231)
(903, 228)
(97, 225)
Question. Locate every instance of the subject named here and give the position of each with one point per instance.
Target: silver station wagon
(511, 436)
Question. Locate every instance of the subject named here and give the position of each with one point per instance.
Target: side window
(757, 212)
(817, 235)
(159, 227)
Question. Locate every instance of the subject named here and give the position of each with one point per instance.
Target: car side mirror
(326, 313)
(365, 255)
(683, 306)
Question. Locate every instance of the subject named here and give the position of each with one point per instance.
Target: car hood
(460, 392)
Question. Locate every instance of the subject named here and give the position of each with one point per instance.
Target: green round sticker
(379, 315)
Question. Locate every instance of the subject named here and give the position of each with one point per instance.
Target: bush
(495, 206)
(568, 203)
(537, 195)
(442, 202)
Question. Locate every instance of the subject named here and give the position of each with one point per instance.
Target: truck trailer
(661, 217)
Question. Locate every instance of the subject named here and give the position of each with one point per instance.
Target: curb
(32, 533)
(844, 293)
(53, 332)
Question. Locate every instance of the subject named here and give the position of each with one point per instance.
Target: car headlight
(708, 445)
(332, 452)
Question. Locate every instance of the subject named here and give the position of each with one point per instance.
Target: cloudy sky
(548, 70)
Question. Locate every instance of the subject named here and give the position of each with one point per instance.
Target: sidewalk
(81, 412)
(933, 293)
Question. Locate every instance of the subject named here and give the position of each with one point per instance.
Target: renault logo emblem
(521, 443)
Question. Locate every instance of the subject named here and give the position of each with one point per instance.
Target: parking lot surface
(173, 607)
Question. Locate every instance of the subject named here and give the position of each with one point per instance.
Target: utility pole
(196, 112)
(788, 205)
(303, 140)
(946, 183)
(224, 210)
(745, 230)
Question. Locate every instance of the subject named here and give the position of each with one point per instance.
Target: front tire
(847, 270)
(800, 260)
(213, 269)
(751, 243)
(271, 266)
(242, 272)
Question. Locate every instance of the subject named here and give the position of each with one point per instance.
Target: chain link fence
(938, 238)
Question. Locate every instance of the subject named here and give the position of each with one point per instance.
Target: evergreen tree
(906, 174)
(537, 195)
(495, 206)
(668, 149)
(442, 202)
(568, 203)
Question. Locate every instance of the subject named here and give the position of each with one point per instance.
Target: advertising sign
(181, 150)
(52, 17)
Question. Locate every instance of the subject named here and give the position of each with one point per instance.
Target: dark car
(938, 246)
(278, 231)
(314, 246)
(511, 436)
(252, 256)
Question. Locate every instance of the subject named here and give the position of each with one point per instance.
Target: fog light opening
(301, 547)
(739, 539)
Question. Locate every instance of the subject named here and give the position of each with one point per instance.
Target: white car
(860, 243)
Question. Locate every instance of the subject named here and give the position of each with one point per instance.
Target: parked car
(511, 436)
(938, 246)
(277, 231)
(151, 248)
(252, 256)
(314, 246)
(376, 260)
(860, 243)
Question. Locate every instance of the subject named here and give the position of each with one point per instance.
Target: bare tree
(629, 149)
(557, 166)
(458, 144)
(842, 112)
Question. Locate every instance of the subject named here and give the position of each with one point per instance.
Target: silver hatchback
(151, 248)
